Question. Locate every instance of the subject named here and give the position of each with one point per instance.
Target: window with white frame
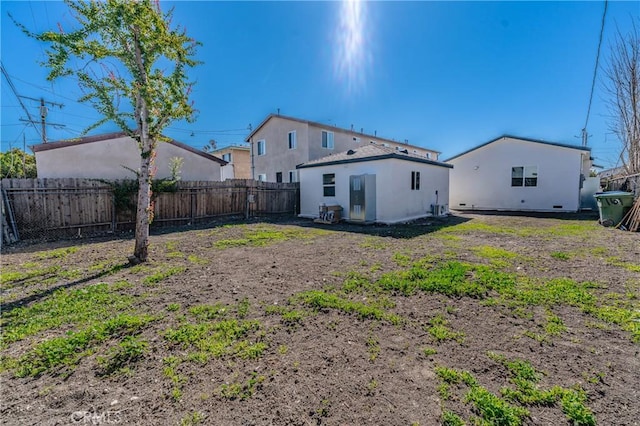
(227, 157)
(293, 176)
(415, 181)
(327, 139)
(292, 140)
(524, 176)
(262, 177)
(428, 156)
(329, 185)
(262, 147)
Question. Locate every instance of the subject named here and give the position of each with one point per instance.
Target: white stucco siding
(481, 179)
(395, 201)
(115, 158)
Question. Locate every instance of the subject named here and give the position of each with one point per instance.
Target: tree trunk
(143, 212)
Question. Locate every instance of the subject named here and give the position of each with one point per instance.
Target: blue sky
(443, 75)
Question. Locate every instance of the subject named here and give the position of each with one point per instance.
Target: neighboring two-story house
(281, 143)
(238, 159)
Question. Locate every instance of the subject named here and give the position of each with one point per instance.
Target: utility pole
(43, 108)
(43, 115)
(585, 137)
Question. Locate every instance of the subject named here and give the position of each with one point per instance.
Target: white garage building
(374, 183)
(517, 174)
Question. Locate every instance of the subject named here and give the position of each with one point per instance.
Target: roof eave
(560, 145)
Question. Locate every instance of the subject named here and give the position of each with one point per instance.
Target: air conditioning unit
(438, 209)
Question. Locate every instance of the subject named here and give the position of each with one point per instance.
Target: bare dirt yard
(472, 319)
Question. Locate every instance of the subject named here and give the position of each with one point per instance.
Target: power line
(595, 72)
(15, 92)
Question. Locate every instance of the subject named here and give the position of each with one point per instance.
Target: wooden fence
(52, 208)
(629, 183)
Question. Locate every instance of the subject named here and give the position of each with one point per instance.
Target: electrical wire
(595, 69)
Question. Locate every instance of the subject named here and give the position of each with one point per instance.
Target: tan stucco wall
(240, 161)
(279, 158)
(112, 159)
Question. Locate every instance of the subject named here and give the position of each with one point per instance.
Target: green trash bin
(613, 205)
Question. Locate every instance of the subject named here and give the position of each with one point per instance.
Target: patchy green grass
(242, 390)
(319, 299)
(163, 275)
(582, 229)
(402, 259)
(510, 409)
(375, 243)
(439, 331)
(616, 261)
(192, 419)
(121, 358)
(65, 352)
(36, 274)
(373, 346)
(560, 255)
(60, 253)
(516, 292)
(489, 252)
(64, 307)
(261, 236)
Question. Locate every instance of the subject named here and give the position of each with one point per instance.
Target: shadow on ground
(587, 215)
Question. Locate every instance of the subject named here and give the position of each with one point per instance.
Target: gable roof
(326, 126)
(369, 152)
(231, 148)
(561, 145)
(116, 135)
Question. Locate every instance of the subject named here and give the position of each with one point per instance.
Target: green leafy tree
(16, 163)
(125, 50)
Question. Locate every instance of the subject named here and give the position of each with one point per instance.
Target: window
(262, 147)
(415, 181)
(428, 156)
(279, 177)
(356, 139)
(329, 185)
(293, 176)
(531, 176)
(292, 140)
(524, 176)
(227, 157)
(327, 139)
(262, 177)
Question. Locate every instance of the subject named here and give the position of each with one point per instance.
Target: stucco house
(115, 155)
(280, 143)
(511, 173)
(239, 161)
(373, 183)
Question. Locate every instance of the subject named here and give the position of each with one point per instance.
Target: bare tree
(623, 88)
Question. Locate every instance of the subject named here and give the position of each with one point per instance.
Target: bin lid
(613, 194)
